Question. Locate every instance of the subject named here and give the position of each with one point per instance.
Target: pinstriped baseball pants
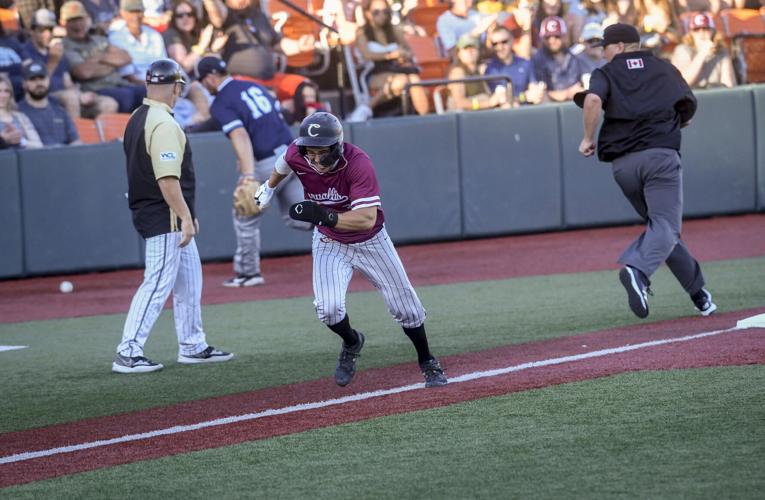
(378, 261)
(168, 269)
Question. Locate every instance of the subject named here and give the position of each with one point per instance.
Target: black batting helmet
(322, 129)
(164, 71)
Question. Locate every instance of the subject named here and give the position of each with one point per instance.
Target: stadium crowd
(63, 64)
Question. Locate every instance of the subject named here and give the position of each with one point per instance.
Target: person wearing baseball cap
(53, 124)
(554, 64)
(591, 55)
(644, 102)
(702, 57)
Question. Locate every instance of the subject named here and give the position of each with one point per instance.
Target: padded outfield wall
(443, 177)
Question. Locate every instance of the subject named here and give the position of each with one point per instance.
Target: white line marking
(11, 347)
(20, 457)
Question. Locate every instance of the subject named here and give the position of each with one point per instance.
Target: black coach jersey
(155, 147)
(645, 101)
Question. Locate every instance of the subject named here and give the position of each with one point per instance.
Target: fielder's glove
(244, 198)
(309, 211)
(264, 194)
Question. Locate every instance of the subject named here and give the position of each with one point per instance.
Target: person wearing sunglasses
(504, 62)
(591, 55)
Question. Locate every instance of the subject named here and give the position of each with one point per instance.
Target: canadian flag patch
(635, 63)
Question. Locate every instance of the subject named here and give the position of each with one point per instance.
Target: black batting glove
(310, 211)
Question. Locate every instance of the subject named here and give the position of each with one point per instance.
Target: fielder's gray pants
(247, 229)
(652, 181)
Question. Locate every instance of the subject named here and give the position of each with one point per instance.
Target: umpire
(161, 197)
(645, 103)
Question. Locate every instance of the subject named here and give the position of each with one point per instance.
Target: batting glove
(309, 211)
(263, 195)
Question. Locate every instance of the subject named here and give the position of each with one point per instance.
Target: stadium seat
(425, 15)
(745, 28)
(112, 126)
(428, 57)
(9, 18)
(291, 24)
(88, 130)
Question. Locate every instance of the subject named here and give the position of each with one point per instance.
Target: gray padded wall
(718, 154)
(759, 106)
(417, 166)
(590, 194)
(510, 170)
(11, 239)
(76, 215)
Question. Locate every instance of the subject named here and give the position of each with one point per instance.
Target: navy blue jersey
(246, 104)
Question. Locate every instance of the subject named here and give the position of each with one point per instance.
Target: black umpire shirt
(156, 147)
(645, 101)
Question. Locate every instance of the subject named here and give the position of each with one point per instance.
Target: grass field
(693, 433)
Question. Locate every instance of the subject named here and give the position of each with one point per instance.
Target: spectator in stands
(250, 40)
(384, 45)
(185, 40)
(26, 9)
(16, 131)
(595, 11)
(554, 64)
(10, 61)
(52, 123)
(466, 96)
(102, 13)
(346, 16)
(591, 56)
(557, 8)
(157, 13)
(622, 11)
(462, 19)
(94, 62)
(306, 102)
(143, 43)
(44, 48)
(658, 26)
(504, 62)
(702, 58)
(524, 14)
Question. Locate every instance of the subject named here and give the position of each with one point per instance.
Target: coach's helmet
(164, 71)
(321, 129)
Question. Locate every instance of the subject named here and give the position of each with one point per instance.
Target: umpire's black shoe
(433, 373)
(637, 290)
(703, 302)
(346, 363)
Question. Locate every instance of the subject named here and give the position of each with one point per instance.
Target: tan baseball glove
(244, 198)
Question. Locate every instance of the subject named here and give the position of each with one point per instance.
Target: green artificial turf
(674, 434)
(65, 375)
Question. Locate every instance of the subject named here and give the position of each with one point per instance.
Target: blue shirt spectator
(554, 64)
(53, 124)
(144, 44)
(38, 48)
(504, 62)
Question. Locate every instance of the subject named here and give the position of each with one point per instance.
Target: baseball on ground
(66, 286)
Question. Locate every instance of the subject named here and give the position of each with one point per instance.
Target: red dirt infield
(740, 347)
(583, 250)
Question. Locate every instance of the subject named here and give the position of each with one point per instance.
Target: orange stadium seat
(9, 18)
(88, 130)
(746, 30)
(291, 24)
(425, 15)
(742, 22)
(428, 57)
(112, 126)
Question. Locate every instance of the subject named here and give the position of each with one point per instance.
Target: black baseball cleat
(637, 290)
(209, 355)
(135, 364)
(702, 300)
(433, 373)
(346, 363)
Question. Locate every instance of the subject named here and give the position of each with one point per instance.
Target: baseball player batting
(343, 201)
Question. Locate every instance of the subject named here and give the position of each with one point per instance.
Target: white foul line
(11, 347)
(20, 457)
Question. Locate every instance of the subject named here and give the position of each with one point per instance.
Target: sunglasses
(380, 12)
(181, 15)
(43, 28)
(594, 41)
(506, 41)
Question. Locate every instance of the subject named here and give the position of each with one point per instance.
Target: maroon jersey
(352, 185)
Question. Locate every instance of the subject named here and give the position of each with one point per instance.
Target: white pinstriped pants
(378, 261)
(168, 269)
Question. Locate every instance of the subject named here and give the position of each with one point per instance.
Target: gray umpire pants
(652, 181)
(247, 229)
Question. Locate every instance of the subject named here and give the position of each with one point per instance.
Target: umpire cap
(625, 33)
(164, 71)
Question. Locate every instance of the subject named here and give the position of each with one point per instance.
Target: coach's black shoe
(346, 363)
(209, 355)
(433, 373)
(703, 302)
(636, 284)
(135, 364)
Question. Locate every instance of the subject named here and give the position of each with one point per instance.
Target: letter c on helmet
(310, 129)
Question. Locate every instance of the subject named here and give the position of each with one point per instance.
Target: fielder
(645, 102)
(252, 120)
(343, 201)
(161, 197)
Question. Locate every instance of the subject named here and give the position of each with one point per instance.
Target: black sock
(420, 341)
(343, 328)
